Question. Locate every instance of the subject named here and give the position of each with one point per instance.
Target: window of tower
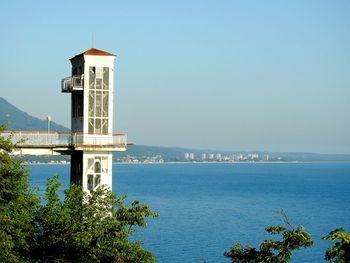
(106, 78)
(98, 100)
(104, 126)
(98, 83)
(98, 126)
(90, 183)
(91, 126)
(98, 103)
(97, 181)
(91, 77)
(96, 168)
(99, 72)
(105, 104)
(97, 165)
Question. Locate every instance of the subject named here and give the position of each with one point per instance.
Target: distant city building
(191, 156)
(211, 156)
(254, 156)
(203, 156)
(218, 156)
(187, 156)
(266, 157)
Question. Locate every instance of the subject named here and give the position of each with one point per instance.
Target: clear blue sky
(234, 75)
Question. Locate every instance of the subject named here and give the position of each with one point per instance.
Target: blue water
(205, 208)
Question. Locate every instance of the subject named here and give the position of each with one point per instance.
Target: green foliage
(91, 227)
(340, 251)
(274, 251)
(18, 205)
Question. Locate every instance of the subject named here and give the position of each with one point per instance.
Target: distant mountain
(22, 121)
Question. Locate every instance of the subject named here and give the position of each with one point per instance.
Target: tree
(92, 227)
(340, 251)
(273, 251)
(18, 205)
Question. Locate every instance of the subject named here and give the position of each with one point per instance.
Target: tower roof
(94, 52)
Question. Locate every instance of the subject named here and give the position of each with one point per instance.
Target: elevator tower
(91, 87)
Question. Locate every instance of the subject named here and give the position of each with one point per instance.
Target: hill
(22, 121)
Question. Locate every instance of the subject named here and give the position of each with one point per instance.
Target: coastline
(238, 162)
(172, 162)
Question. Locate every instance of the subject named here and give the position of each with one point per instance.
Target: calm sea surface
(205, 208)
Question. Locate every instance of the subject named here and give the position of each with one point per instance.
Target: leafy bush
(340, 251)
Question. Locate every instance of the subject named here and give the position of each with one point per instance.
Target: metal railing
(64, 139)
(72, 83)
(93, 139)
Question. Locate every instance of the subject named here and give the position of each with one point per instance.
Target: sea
(207, 207)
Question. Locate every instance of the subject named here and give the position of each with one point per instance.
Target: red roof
(94, 52)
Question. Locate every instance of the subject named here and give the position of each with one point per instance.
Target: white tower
(93, 141)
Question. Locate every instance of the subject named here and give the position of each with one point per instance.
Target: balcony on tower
(56, 143)
(73, 83)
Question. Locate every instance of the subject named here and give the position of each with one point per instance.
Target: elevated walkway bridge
(58, 143)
